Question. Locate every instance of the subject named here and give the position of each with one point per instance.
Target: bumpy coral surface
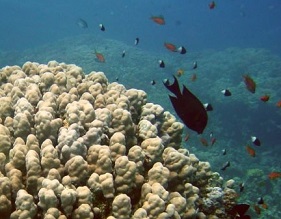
(76, 146)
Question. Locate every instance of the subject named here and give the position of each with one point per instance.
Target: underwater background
(234, 38)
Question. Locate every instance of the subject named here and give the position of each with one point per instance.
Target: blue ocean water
(234, 38)
(232, 23)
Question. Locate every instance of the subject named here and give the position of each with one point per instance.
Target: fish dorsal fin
(186, 92)
(240, 209)
(174, 88)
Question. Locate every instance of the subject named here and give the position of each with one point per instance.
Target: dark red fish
(250, 84)
(158, 19)
(265, 98)
(188, 107)
(239, 211)
(212, 5)
(170, 47)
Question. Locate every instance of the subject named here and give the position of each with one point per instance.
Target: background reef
(234, 119)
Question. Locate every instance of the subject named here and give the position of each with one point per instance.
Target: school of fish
(194, 114)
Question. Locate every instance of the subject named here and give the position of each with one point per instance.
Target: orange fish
(171, 47)
(204, 142)
(274, 175)
(250, 84)
(278, 104)
(265, 206)
(264, 98)
(158, 19)
(251, 151)
(99, 56)
(193, 77)
(257, 209)
(180, 72)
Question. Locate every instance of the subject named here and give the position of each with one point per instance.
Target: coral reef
(76, 146)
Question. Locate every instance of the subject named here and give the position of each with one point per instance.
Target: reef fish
(257, 209)
(188, 107)
(153, 82)
(250, 151)
(208, 107)
(212, 5)
(101, 26)
(123, 54)
(256, 141)
(260, 201)
(204, 142)
(265, 98)
(170, 47)
(82, 23)
(194, 65)
(250, 83)
(137, 40)
(161, 63)
(158, 19)
(226, 92)
(193, 77)
(274, 175)
(213, 141)
(182, 50)
(239, 211)
(180, 72)
(241, 187)
(99, 56)
(225, 165)
(186, 137)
